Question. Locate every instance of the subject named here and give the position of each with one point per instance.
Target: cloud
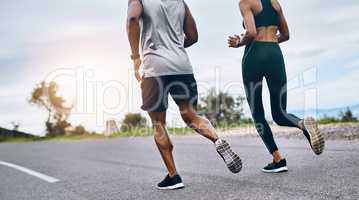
(341, 92)
(353, 64)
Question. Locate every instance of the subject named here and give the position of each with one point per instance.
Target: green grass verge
(135, 132)
(47, 138)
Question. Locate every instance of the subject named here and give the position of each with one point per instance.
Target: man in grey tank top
(165, 28)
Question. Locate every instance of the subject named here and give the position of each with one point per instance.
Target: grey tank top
(162, 38)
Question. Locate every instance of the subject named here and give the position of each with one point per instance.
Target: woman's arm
(249, 23)
(283, 25)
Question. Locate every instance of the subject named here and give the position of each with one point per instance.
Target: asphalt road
(129, 168)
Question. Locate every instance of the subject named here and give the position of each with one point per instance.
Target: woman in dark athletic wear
(263, 59)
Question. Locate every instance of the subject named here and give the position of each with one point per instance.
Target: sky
(82, 45)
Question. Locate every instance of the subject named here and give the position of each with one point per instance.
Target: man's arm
(134, 14)
(190, 29)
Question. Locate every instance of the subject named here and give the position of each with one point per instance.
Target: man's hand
(234, 41)
(136, 66)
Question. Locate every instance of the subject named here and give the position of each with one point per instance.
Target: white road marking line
(30, 172)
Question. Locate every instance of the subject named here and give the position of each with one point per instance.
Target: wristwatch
(135, 57)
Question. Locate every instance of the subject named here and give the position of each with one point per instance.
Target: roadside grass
(136, 132)
(20, 139)
(147, 131)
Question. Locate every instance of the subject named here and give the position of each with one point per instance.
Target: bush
(344, 117)
(57, 129)
(79, 130)
(246, 121)
(222, 109)
(328, 120)
(133, 120)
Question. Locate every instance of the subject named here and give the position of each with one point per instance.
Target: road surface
(129, 168)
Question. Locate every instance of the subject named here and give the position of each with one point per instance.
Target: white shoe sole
(172, 187)
(231, 159)
(279, 170)
(316, 138)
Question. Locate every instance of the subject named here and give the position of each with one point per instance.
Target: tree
(347, 116)
(45, 95)
(133, 120)
(15, 125)
(221, 108)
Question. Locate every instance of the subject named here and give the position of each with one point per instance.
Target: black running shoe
(273, 167)
(232, 160)
(314, 135)
(171, 183)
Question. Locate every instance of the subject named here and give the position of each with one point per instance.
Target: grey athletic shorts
(155, 90)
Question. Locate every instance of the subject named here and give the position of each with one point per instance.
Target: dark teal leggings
(265, 60)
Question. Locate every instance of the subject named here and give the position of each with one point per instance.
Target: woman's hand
(234, 41)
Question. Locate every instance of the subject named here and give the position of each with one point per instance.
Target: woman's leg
(253, 73)
(254, 98)
(278, 98)
(277, 83)
(278, 94)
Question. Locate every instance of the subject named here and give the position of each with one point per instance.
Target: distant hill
(5, 133)
(332, 112)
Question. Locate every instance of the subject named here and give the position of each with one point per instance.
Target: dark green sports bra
(268, 17)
